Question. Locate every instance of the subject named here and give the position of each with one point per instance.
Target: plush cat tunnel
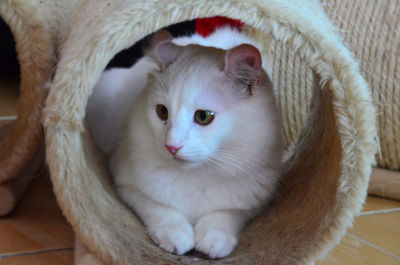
(325, 178)
(37, 28)
(35, 37)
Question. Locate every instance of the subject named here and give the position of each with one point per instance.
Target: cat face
(188, 116)
(194, 99)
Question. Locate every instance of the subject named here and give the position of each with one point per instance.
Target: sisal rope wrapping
(371, 31)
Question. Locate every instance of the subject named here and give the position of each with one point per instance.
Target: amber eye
(162, 112)
(204, 117)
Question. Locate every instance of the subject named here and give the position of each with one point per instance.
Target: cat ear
(243, 54)
(243, 63)
(164, 51)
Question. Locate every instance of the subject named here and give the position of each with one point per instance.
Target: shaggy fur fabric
(317, 200)
(37, 27)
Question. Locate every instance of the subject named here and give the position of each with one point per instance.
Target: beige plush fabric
(12, 190)
(36, 25)
(82, 256)
(325, 179)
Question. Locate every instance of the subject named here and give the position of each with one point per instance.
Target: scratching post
(371, 31)
(37, 27)
(325, 178)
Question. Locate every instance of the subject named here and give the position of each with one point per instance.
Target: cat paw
(215, 243)
(174, 238)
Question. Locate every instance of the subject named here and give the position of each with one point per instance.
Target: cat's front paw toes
(215, 243)
(175, 239)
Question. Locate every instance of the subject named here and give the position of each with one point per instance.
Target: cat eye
(162, 112)
(204, 117)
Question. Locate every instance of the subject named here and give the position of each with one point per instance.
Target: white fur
(224, 38)
(223, 173)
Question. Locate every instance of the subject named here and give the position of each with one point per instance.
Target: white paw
(215, 243)
(174, 238)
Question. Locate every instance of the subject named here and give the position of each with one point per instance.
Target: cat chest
(195, 196)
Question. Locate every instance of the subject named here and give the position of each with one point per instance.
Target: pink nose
(172, 149)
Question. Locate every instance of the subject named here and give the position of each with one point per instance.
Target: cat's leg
(167, 227)
(216, 234)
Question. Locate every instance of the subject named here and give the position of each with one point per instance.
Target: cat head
(199, 102)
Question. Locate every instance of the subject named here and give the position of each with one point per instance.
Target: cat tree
(329, 120)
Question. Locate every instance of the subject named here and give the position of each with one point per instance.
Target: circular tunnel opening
(282, 59)
(287, 70)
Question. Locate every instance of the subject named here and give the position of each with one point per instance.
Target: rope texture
(371, 30)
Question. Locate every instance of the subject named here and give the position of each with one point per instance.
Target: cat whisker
(238, 165)
(229, 157)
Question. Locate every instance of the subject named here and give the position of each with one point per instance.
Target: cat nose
(172, 149)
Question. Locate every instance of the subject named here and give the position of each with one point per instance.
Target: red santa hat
(206, 26)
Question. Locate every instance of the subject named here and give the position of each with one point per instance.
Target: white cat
(199, 149)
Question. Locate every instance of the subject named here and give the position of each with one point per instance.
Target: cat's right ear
(162, 49)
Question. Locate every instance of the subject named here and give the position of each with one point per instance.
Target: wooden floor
(36, 233)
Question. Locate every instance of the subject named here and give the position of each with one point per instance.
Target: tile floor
(36, 233)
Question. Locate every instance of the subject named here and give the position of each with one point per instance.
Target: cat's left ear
(243, 63)
(164, 51)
